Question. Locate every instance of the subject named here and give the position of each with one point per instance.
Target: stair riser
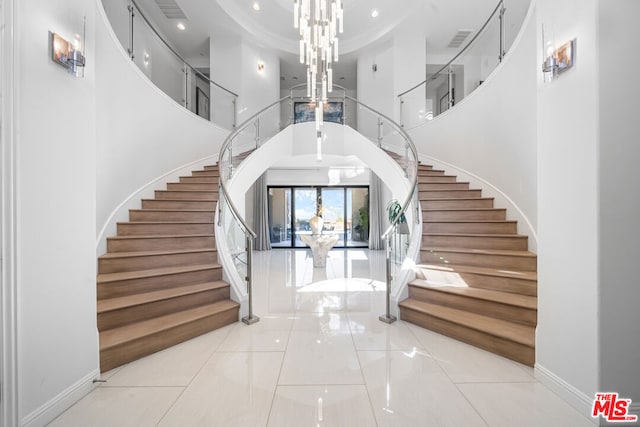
(509, 349)
(160, 244)
(120, 265)
(215, 174)
(443, 186)
(457, 204)
(481, 281)
(119, 355)
(463, 214)
(182, 186)
(149, 284)
(199, 180)
(186, 195)
(170, 216)
(481, 260)
(179, 204)
(116, 318)
(428, 172)
(426, 179)
(515, 243)
(133, 229)
(446, 194)
(470, 227)
(494, 309)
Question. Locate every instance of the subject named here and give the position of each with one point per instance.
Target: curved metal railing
(451, 96)
(183, 82)
(266, 123)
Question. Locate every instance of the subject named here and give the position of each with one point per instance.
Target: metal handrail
(176, 53)
(225, 145)
(413, 150)
(499, 7)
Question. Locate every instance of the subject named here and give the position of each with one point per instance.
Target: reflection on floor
(320, 357)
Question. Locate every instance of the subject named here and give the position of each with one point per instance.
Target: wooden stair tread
(117, 255)
(483, 271)
(518, 300)
(459, 209)
(111, 304)
(468, 221)
(124, 334)
(158, 236)
(518, 333)
(172, 210)
(155, 272)
(164, 222)
(188, 191)
(457, 200)
(514, 236)
(178, 200)
(523, 254)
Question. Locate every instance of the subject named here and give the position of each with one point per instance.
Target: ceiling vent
(171, 9)
(457, 40)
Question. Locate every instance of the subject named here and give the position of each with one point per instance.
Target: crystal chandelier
(319, 22)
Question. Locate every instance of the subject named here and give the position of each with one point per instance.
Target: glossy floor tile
(320, 357)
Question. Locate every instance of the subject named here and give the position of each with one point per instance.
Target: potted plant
(393, 209)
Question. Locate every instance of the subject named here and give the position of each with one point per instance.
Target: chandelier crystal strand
(318, 23)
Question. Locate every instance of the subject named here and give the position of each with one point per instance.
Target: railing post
(401, 116)
(257, 125)
(502, 34)
(450, 81)
(250, 319)
(406, 160)
(235, 112)
(380, 132)
(186, 85)
(387, 317)
(131, 16)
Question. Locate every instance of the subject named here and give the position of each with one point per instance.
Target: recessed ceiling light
(374, 13)
(256, 5)
(181, 26)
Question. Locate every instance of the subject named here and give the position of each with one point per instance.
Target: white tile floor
(320, 357)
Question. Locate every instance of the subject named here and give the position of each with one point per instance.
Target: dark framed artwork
(333, 111)
(202, 104)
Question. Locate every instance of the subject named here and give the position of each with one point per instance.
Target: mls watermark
(612, 408)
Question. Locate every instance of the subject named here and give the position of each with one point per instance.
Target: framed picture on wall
(202, 104)
(333, 111)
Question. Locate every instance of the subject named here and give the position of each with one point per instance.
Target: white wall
(141, 132)
(493, 135)
(56, 207)
(567, 335)
(619, 203)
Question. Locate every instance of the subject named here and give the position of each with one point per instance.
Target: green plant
(393, 209)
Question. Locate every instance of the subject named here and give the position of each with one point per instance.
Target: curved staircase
(477, 281)
(159, 283)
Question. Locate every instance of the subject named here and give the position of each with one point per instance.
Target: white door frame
(8, 266)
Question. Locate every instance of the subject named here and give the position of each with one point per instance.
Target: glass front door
(345, 211)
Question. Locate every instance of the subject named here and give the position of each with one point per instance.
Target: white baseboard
(574, 397)
(60, 403)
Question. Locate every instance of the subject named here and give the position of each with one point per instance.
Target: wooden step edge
(171, 210)
(142, 254)
(461, 209)
(118, 336)
(482, 271)
(470, 221)
(518, 333)
(440, 190)
(118, 303)
(159, 236)
(176, 200)
(527, 302)
(461, 199)
(509, 236)
(153, 272)
(187, 191)
(166, 222)
(523, 254)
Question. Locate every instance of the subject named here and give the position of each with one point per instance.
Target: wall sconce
(69, 54)
(260, 66)
(557, 61)
(374, 67)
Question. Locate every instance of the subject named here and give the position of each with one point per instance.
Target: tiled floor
(320, 357)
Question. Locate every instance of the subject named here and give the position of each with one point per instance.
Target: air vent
(460, 37)
(171, 9)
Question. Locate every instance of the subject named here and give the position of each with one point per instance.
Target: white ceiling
(272, 27)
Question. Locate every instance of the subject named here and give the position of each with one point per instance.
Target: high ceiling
(271, 27)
